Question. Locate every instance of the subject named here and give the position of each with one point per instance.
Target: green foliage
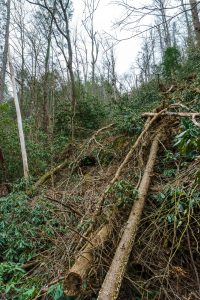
(127, 113)
(24, 230)
(91, 112)
(124, 193)
(188, 141)
(62, 119)
(37, 145)
(11, 276)
(56, 291)
(191, 65)
(171, 61)
(178, 203)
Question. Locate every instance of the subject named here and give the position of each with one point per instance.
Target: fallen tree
(82, 265)
(193, 115)
(74, 278)
(100, 202)
(113, 279)
(172, 113)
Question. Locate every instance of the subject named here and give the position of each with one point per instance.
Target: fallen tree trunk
(121, 167)
(75, 276)
(113, 279)
(171, 113)
(193, 115)
(50, 173)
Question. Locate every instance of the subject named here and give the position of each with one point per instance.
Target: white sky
(105, 16)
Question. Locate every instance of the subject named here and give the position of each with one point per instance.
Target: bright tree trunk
(5, 54)
(112, 282)
(19, 118)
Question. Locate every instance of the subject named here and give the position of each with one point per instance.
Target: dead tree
(91, 6)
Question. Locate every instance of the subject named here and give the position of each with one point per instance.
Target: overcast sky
(105, 16)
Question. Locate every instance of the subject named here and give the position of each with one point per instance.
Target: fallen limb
(58, 168)
(170, 113)
(121, 167)
(50, 173)
(113, 279)
(87, 144)
(75, 276)
(177, 114)
(195, 121)
(66, 205)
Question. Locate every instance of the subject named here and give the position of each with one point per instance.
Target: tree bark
(189, 31)
(195, 20)
(112, 282)
(5, 54)
(170, 113)
(75, 276)
(46, 77)
(19, 118)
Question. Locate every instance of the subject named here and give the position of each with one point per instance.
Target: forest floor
(97, 186)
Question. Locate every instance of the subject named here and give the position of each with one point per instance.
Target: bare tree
(161, 5)
(61, 19)
(90, 8)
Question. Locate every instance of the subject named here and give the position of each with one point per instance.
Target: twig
(64, 205)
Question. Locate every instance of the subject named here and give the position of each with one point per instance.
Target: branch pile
(103, 240)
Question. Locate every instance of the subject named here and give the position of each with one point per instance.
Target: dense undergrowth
(40, 232)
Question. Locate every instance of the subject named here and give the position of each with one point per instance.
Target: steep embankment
(72, 227)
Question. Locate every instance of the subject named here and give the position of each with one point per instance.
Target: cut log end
(72, 284)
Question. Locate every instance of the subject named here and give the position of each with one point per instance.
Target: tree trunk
(189, 31)
(5, 54)
(195, 20)
(19, 118)
(160, 40)
(112, 282)
(46, 80)
(76, 275)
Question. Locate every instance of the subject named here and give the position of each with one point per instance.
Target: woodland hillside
(99, 172)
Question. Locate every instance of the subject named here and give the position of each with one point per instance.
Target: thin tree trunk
(189, 31)
(160, 40)
(5, 54)
(195, 20)
(46, 80)
(19, 118)
(46, 92)
(111, 285)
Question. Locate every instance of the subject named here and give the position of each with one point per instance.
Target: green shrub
(171, 61)
(188, 141)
